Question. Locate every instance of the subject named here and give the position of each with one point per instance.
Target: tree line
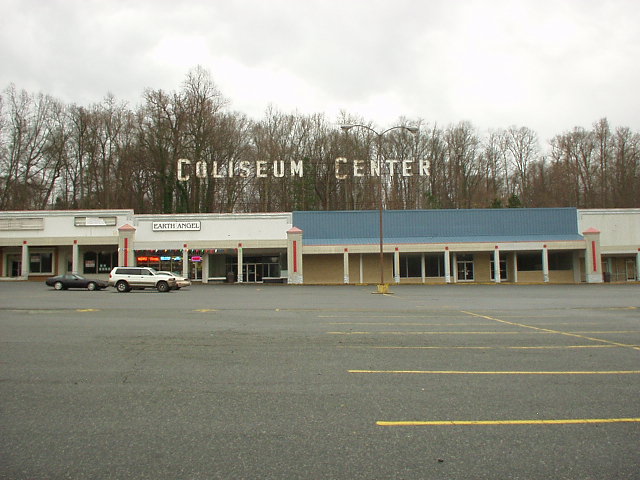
(110, 155)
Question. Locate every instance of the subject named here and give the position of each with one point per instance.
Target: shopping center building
(554, 245)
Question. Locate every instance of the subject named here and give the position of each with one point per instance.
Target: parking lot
(295, 382)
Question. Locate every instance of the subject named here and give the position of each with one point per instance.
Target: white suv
(127, 278)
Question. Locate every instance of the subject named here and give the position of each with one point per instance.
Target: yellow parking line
(409, 324)
(385, 316)
(82, 310)
(542, 331)
(558, 332)
(605, 331)
(566, 421)
(444, 347)
(423, 333)
(522, 372)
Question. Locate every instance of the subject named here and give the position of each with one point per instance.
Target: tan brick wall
(535, 276)
(322, 268)
(482, 267)
(329, 268)
(561, 276)
(372, 268)
(428, 280)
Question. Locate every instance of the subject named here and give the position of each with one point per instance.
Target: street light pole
(382, 287)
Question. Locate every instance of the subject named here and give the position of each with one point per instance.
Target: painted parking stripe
(411, 324)
(543, 331)
(557, 332)
(467, 347)
(517, 372)
(565, 421)
(424, 333)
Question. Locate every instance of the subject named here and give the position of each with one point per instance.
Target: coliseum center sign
(343, 167)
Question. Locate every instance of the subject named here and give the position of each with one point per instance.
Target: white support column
(185, 261)
(345, 265)
(240, 262)
(126, 245)
(396, 265)
(447, 265)
(25, 260)
(205, 267)
(575, 266)
(361, 268)
(74, 257)
(454, 262)
(496, 264)
(515, 267)
(545, 264)
(423, 268)
(592, 258)
(294, 256)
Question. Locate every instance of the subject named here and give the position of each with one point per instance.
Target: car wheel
(58, 286)
(92, 286)
(162, 287)
(122, 286)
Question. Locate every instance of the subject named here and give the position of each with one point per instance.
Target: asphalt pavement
(300, 382)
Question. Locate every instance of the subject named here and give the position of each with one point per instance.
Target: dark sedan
(73, 280)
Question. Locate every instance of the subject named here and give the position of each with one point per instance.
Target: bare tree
(521, 144)
(463, 164)
(28, 173)
(107, 155)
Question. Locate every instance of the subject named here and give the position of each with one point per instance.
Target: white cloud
(549, 65)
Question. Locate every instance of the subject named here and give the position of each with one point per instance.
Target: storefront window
(168, 261)
(434, 265)
(271, 267)
(256, 269)
(99, 262)
(410, 266)
(106, 261)
(529, 262)
(41, 262)
(90, 262)
(560, 261)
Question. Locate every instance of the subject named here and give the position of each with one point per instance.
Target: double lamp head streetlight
(382, 287)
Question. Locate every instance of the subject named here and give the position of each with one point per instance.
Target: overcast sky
(548, 65)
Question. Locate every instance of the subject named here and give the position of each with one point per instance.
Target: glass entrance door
(195, 270)
(631, 269)
(14, 265)
(252, 272)
(465, 268)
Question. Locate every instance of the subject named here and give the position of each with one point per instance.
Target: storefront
(38, 244)
(419, 247)
(446, 246)
(247, 248)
